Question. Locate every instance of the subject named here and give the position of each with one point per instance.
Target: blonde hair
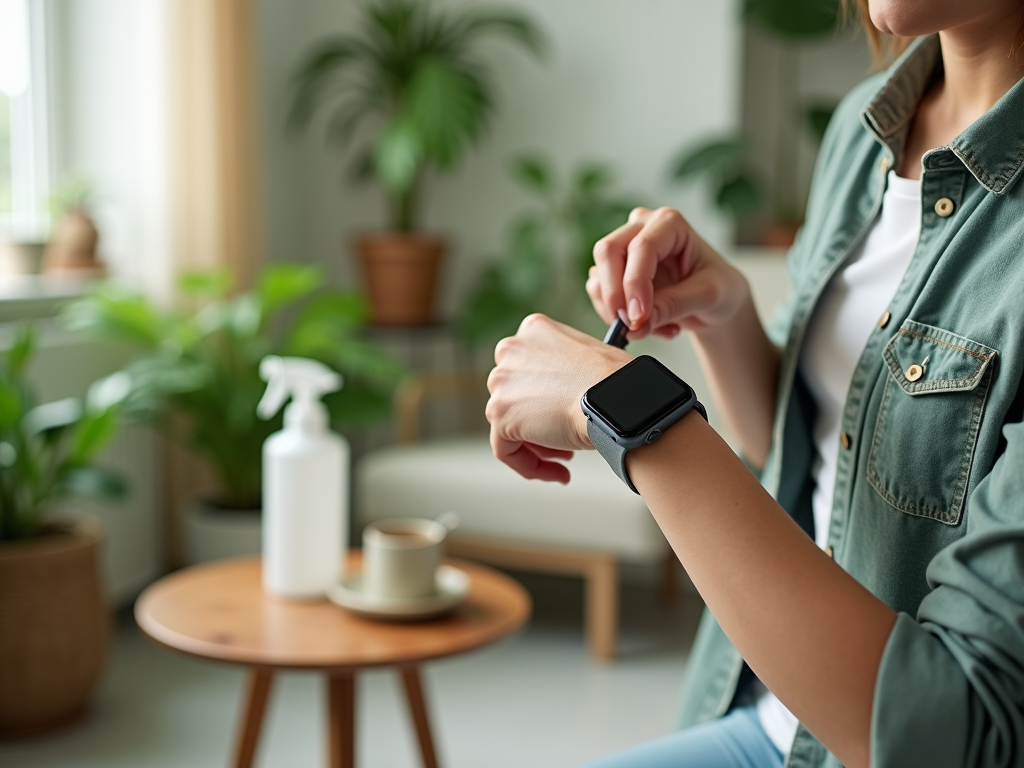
(884, 48)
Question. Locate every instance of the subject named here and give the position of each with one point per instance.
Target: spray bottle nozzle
(306, 381)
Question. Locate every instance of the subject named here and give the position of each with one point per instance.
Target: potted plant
(549, 253)
(723, 162)
(72, 246)
(54, 620)
(197, 377)
(409, 90)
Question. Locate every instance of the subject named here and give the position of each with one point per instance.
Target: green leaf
(739, 196)
(282, 284)
(50, 417)
(797, 19)
(515, 26)
(21, 349)
(94, 431)
(362, 168)
(818, 116)
(10, 406)
(526, 272)
(490, 312)
(715, 156)
(208, 284)
(446, 107)
(92, 482)
(119, 314)
(533, 173)
(108, 392)
(317, 70)
(592, 179)
(398, 155)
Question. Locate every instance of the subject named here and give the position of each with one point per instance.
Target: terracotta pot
(778, 234)
(72, 248)
(401, 276)
(54, 628)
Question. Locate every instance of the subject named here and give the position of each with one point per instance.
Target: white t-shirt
(843, 321)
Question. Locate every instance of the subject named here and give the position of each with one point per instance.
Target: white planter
(214, 534)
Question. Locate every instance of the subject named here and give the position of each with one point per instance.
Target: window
(24, 148)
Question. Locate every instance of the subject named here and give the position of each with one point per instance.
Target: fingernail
(623, 316)
(634, 311)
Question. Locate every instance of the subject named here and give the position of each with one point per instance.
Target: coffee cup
(400, 557)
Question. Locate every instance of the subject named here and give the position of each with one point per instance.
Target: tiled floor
(535, 700)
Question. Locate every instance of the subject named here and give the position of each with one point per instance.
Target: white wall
(628, 83)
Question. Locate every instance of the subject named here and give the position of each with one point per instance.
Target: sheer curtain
(214, 139)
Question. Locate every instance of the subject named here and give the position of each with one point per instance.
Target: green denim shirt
(929, 496)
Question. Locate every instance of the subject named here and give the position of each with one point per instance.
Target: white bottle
(305, 482)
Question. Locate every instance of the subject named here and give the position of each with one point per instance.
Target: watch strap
(612, 452)
(615, 454)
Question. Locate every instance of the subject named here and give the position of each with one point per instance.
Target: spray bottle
(305, 481)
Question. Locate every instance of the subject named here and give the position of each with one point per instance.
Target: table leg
(418, 708)
(341, 720)
(258, 689)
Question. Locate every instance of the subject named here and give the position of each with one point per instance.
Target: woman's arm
(741, 367)
(809, 631)
(666, 279)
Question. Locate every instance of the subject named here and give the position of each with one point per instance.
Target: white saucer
(452, 590)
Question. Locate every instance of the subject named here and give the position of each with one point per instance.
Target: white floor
(534, 700)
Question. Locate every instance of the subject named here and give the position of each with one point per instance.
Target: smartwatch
(632, 407)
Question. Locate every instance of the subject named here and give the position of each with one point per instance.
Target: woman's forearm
(811, 633)
(741, 366)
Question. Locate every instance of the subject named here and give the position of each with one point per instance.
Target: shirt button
(830, 553)
(914, 372)
(883, 164)
(944, 207)
(884, 320)
(844, 440)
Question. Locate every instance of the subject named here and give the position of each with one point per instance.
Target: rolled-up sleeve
(950, 688)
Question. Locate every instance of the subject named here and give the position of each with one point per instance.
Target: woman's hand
(663, 277)
(534, 410)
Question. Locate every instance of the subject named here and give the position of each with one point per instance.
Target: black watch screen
(638, 395)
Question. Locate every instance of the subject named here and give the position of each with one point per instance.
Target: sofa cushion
(594, 512)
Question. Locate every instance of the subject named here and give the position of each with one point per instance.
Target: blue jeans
(734, 741)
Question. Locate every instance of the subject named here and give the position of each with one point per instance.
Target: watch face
(638, 395)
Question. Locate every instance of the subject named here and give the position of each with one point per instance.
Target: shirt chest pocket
(936, 384)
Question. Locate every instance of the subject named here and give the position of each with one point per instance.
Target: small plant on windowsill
(73, 243)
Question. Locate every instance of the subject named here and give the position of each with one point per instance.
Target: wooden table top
(218, 611)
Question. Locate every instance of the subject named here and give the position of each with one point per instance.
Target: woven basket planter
(54, 629)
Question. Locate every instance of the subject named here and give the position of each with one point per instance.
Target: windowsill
(33, 297)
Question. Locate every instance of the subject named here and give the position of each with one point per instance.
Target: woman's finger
(610, 260)
(664, 234)
(524, 459)
(593, 287)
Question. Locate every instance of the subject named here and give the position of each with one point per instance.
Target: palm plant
(197, 374)
(46, 451)
(413, 75)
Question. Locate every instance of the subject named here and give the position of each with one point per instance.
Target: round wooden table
(218, 611)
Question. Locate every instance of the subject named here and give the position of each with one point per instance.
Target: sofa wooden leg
(603, 607)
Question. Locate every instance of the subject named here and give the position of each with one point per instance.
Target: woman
(875, 583)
